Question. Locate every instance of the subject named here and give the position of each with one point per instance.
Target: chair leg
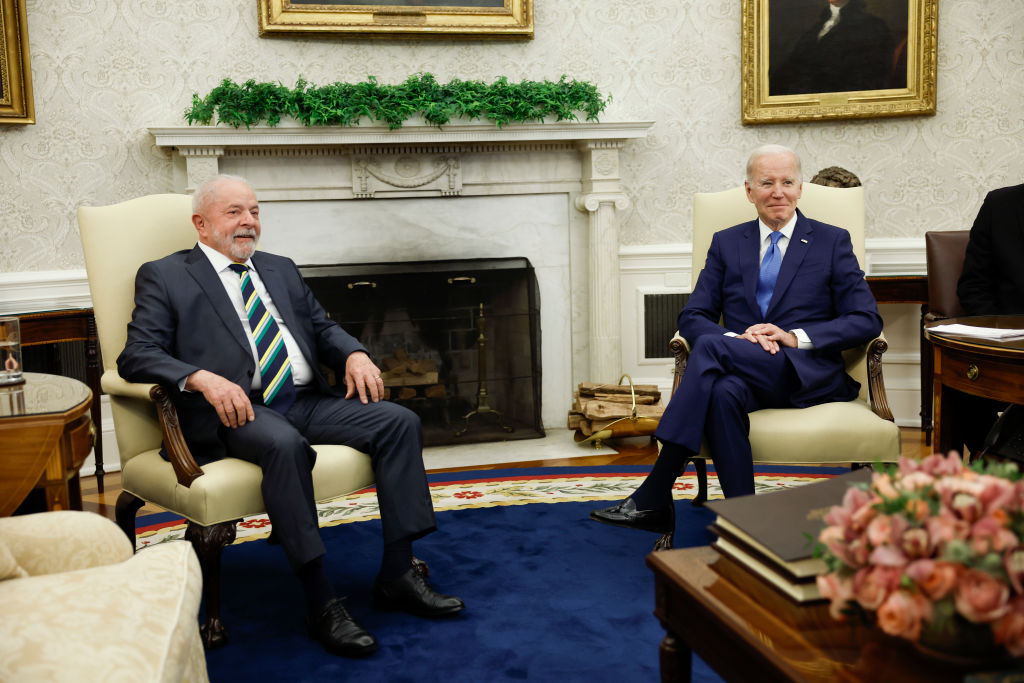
(208, 541)
(124, 512)
(701, 467)
(665, 541)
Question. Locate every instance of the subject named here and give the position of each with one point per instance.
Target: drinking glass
(10, 351)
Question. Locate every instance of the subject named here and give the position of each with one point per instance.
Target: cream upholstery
(117, 240)
(81, 607)
(861, 430)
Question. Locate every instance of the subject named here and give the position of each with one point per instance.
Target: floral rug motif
(483, 488)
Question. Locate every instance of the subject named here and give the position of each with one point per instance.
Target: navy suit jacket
(820, 289)
(184, 321)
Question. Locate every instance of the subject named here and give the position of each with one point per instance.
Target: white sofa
(77, 605)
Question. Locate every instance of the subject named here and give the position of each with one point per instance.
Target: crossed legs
(726, 378)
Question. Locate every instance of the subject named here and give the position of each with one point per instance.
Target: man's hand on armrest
(229, 400)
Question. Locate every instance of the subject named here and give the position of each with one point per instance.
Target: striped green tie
(275, 368)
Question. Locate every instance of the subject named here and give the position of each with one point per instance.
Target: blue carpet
(550, 595)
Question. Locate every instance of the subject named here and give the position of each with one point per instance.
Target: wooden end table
(754, 633)
(45, 441)
(65, 325)
(981, 367)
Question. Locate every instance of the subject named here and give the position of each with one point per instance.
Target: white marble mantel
(514, 168)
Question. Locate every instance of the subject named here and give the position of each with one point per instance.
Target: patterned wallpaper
(105, 70)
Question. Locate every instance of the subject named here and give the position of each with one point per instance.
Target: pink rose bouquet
(935, 549)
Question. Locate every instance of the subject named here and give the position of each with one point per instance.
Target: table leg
(92, 374)
(675, 658)
(942, 435)
(58, 496)
(926, 382)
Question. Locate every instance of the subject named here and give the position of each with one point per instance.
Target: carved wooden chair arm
(185, 467)
(680, 349)
(876, 385)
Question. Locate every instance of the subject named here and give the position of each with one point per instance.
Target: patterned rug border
(493, 491)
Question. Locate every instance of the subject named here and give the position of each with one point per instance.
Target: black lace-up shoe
(338, 632)
(413, 594)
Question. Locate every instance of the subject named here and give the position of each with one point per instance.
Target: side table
(73, 324)
(45, 441)
(990, 368)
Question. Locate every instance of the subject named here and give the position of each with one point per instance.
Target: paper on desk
(978, 332)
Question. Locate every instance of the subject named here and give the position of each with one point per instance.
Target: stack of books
(771, 537)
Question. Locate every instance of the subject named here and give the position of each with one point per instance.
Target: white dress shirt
(802, 340)
(302, 372)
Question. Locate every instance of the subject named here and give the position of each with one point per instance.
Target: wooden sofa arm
(186, 469)
(680, 350)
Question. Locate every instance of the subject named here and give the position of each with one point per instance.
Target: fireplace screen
(458, 342)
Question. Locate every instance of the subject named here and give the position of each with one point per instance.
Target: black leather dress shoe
(660, 520)
(338, 632)
(412, 593)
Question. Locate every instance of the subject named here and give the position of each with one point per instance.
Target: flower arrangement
(935, 549)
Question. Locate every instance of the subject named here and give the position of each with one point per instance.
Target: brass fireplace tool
(482, 405)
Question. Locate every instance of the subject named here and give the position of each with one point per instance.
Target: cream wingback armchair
(117, 240)
(858, 431)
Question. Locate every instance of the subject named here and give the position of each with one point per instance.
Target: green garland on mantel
(344, 104)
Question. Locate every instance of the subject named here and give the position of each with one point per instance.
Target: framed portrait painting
(16, 104)
(813, 60)
(399, 18)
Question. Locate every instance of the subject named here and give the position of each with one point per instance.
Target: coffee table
(756, 634)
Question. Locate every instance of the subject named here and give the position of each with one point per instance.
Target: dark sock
(314, 582)
(656, 491)
(397, 559)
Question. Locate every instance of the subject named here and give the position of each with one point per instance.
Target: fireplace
(458, 341)
(550, 192)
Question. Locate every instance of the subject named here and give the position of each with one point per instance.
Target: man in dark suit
(791, 297)
(239, 339)
(992, 283)
(846, 49)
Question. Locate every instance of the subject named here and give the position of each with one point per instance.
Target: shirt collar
(219, 261)
(786, 230)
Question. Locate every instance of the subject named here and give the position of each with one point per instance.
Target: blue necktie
(275, 368)
(769, 273)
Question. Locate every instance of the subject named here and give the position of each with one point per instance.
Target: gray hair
(209, 188)
(768, 151)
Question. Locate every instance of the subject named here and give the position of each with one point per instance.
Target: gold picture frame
(16, 104)
(481, 19)
(852, 76)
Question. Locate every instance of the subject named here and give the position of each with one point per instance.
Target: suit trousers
(280, 445)
(726, 378)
